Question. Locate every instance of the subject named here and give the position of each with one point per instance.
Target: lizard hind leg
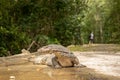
(56, 64)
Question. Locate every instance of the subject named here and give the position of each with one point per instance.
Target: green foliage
(45, 21)
(12, 41)
(56, 21)
(113, 23)
(63, 32)
(43, 40)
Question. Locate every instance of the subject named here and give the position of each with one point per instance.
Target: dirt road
(100, 66)
(103, 62)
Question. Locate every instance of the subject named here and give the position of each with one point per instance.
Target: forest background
(62, 22)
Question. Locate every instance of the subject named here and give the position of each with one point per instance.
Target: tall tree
(113, 22)
(40, 20)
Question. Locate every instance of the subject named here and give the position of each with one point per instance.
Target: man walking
(91, 38)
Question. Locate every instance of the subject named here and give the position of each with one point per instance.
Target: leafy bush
(12, 41)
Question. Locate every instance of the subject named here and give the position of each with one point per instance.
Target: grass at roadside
(95, 47)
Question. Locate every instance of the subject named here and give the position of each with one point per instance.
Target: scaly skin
(63, 56)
